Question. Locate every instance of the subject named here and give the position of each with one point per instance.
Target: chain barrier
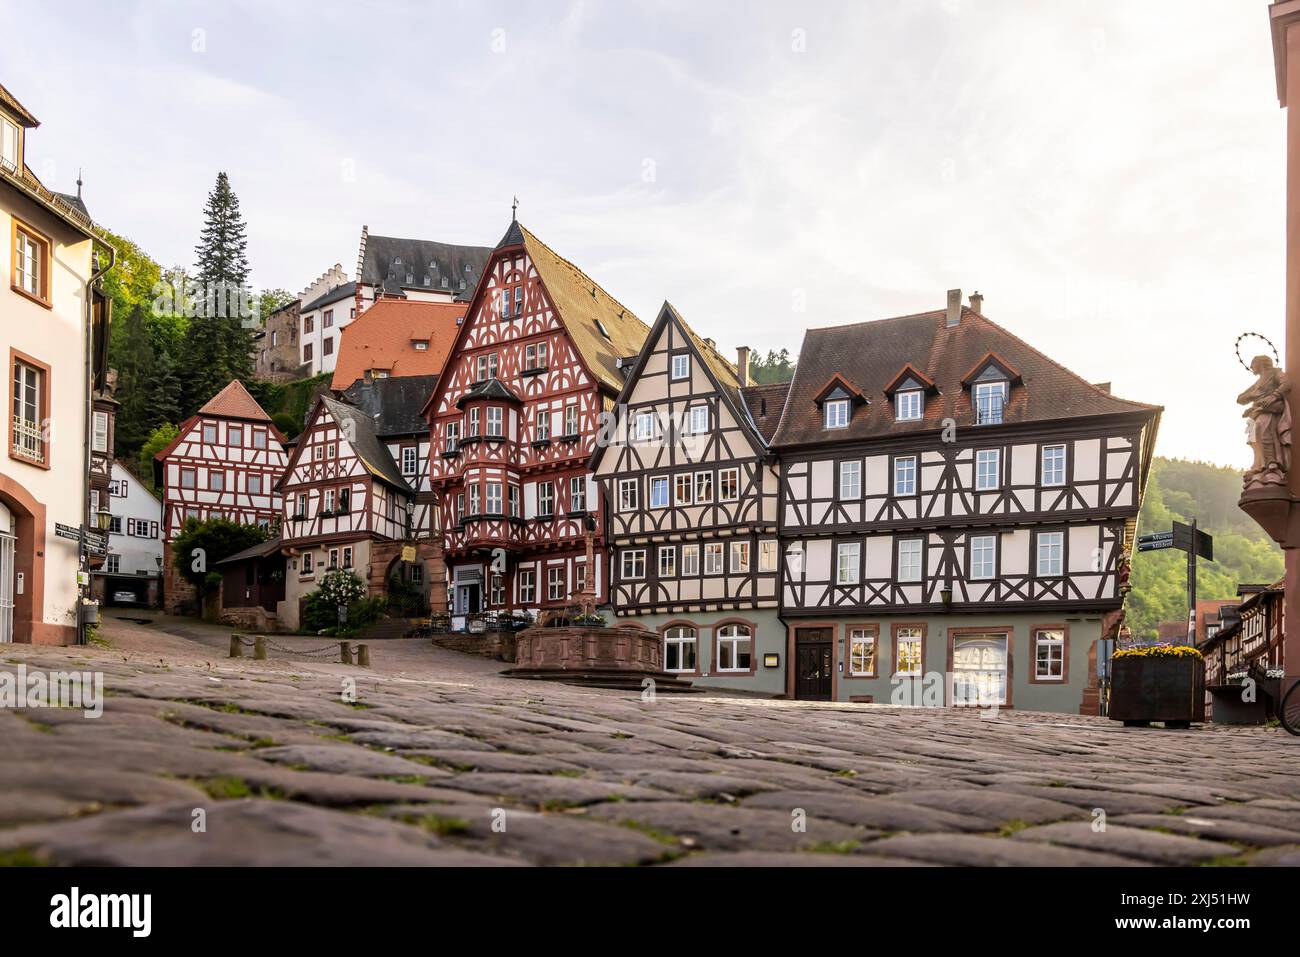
(344, 652)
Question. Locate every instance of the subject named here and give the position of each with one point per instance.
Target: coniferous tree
(135, 362)
(218, 344)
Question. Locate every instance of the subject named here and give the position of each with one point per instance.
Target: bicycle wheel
(1289, 713)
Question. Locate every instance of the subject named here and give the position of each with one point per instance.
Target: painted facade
(134, 560)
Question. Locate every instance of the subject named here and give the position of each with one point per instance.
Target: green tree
(158, 439)
(776, 367)
(200, 545)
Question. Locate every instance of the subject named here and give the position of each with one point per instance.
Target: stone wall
(621, 647)
(179, 596)
(497, 645)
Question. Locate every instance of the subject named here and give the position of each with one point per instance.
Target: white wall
(137, 554)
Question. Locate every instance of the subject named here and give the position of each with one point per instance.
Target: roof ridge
(869, 322)
(577, 269)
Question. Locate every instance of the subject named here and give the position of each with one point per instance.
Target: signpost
(94, 541)
(1197, 544)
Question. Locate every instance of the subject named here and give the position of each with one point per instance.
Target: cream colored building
(47, 308)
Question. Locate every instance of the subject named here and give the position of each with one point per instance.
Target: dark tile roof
(10, 102)
(365, 443)
(393, 403)
(870, 355)
(262, 550)
(346, 291)
(765, 403)
(74, 201)
(489, 389)
(396, 264)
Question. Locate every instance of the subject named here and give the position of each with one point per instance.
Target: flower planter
(1153, 688)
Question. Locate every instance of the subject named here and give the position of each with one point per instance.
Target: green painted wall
(770, 638)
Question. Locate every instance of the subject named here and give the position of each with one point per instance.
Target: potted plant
(1158, 683)
(589, 621)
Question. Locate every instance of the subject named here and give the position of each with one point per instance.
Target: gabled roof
(10, 103)
(994, 360)
(871, 353)
(585, 309)
(393, 403)
(263, 549)
(234, 402)
(488, 389)
(838, 386)
(421, 259)
(347, 290)
(765, 404)
(372, 454)
(910, 373)
(383, 337)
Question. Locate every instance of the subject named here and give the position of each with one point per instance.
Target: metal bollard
(345, 652)
(259, 647)
(363, 656)
(236, 647)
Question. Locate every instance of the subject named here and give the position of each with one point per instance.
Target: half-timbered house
(224, 463)
(357, 498)
(691, 492)
(956, 509)
(513, 422)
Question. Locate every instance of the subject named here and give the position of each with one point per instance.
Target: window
(767, 553)
(497, 590)
(259, 438)
(487, 367)
(29, 437)
(99, 442)
(333, 558)
(680, 645)
(318, 452)
(682, 366)
(327, 319)
(571, 419)
(453, 436)
(555, 583)
(1051, 549)
(713, 558)
(535, 356)
(907, 405)
(989, 399)
(512, 494)
(837, 414)
(255, 483)
(542, 425)
(645, 427)
(209, 433)
(905, 475)
(473, 499)
(115, 524)
(847, 558)
(628, 495)
(699, 419)
(734, 648)
(690, 560)
(579, 575)
(862, 652)
(473, 421)
(332, 450)
(216, 480)
(302, 505)
(308, 325)
(8, 144)
(979, 670)
(633, 563)
(1053, 471)
(345, 500)
(682, 486)
(235, 436)
(739, 557)
(851, 480)
(659, 492)
(983, 557)
(410, 460)
(527, 585)
(347, 556)
(908, 651)
(308, 559)
(31, 263)
(728, 485)
(910, 551)
(113, 564)
(494, 421)
(1049, 654)
(189, 478)
(668, 561)
(577, 494)
(306, 351)
(703, 488)
(327, 346)
(494, 498)
(546, 499)
(327, 500)
(987, 469)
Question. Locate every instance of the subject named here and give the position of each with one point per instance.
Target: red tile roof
(235, 402)
(869, 355)
(765, 404)
(384, 337)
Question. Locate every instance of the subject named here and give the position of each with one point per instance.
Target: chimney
(977, 302)
(954, 307)
(742, 365)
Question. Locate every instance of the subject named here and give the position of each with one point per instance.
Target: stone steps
(612, 679)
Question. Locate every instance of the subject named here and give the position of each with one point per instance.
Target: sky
(1108, 173)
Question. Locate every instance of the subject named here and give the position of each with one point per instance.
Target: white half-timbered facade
(955, 508)
(224, 463)
(691, 492)
(513, 423)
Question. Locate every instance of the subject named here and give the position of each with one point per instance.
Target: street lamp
(103, 518)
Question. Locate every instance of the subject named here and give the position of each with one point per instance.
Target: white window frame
(981, 399)
(768, 555)
(905, 476)
(723, 475)
(690, 560)
(577, 493)
(495, 421)
(908, 405)
(644, 427)
(555, 583)
(632, 564)
(911, 560)
(526, 585)
(848, 573)
(410, 460)
(699, 419)
(983, 458)
(733, 636)
(658, 482)
(683, 480)
(681, 366)
(1056, 476)
(679, 637)
(1051, 547)
(629, 495)
(545, 499)
(851, 479)
(983, 547)
(703, 488)
(837, 414)
(867, 636)
(739, 558)
(909, 635)
(668, 561)
(492, 498)
(713, 558)
(1056, 644)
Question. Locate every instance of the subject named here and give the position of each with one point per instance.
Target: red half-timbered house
(223, 464)
(513, 422)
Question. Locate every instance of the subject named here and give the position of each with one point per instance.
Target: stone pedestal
(622, 656)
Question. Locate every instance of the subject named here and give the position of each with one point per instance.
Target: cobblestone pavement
(442, 761)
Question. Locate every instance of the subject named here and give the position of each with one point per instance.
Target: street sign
(1152, 546)
(67, 531)
(96, 542)
(1192, 539)
(1156, 537)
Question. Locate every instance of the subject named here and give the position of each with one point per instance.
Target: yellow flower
(1160, 651)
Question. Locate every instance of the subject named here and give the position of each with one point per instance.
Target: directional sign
(67, 531)
(1191, 539)
(1152, 546)
(96, 542)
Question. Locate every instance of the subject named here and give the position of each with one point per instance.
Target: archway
(26, 518)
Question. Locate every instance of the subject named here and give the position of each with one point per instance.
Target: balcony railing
(28, 442)
(988, 409)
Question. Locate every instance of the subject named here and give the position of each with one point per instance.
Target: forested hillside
(1180, 491)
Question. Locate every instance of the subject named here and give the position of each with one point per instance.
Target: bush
(342, 588)
(321, 611)
(287, 424)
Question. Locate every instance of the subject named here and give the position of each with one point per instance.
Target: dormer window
(8, 144)
(421, 345)
(989, 399)
(837, 413)
(908, 405)
(603, 331)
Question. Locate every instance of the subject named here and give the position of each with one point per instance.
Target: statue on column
(1268, 430)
